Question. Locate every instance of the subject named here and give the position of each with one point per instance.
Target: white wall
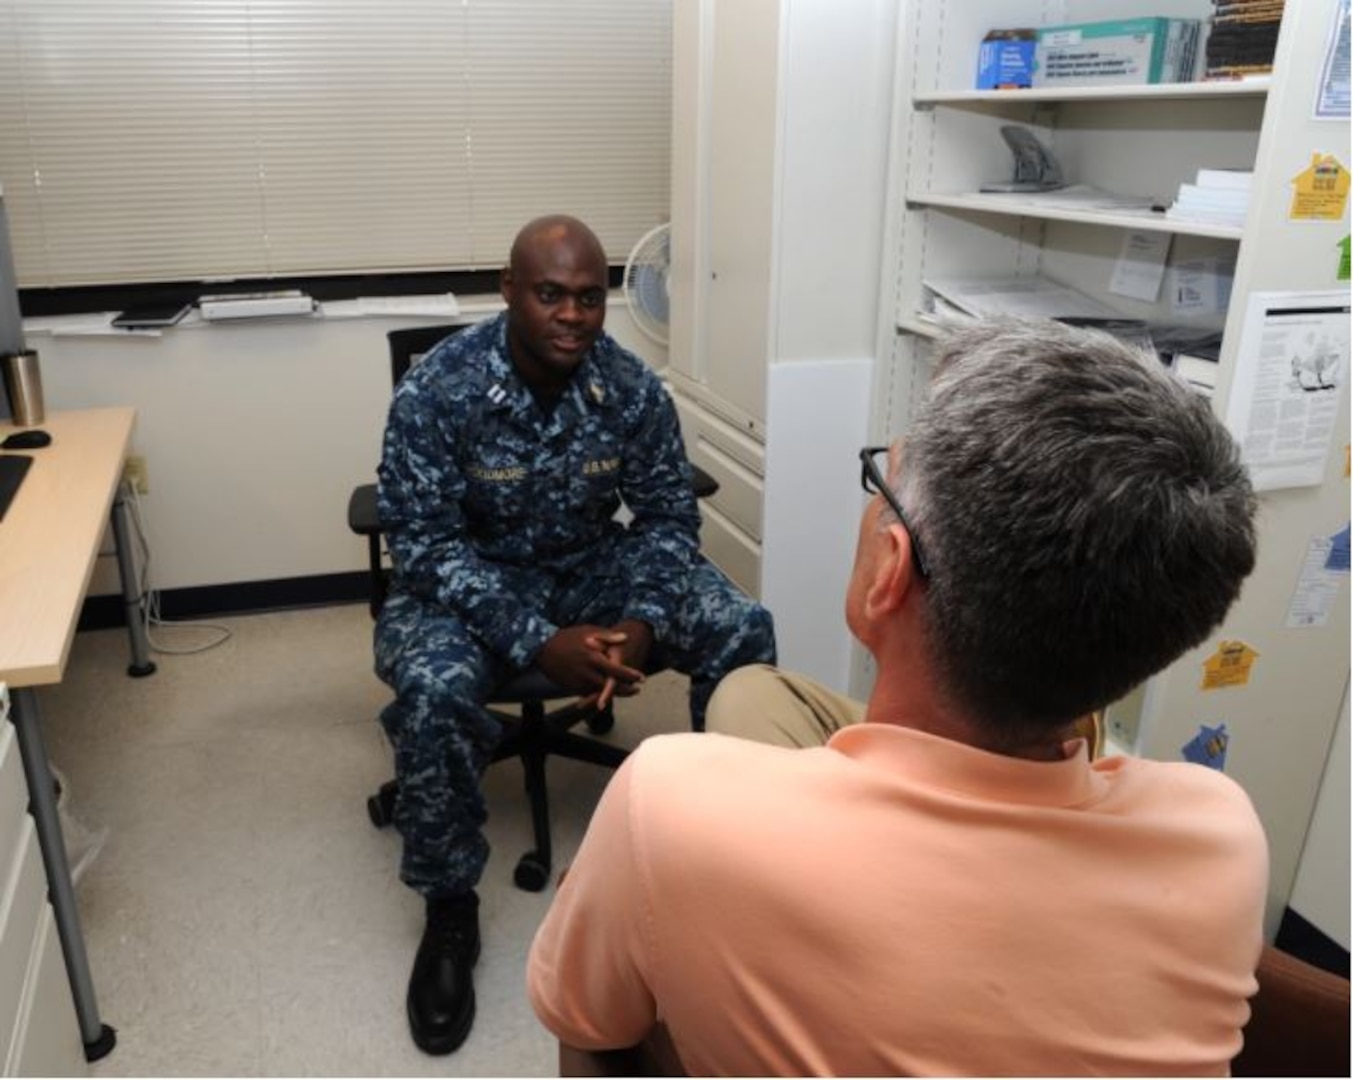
(818, 420)
(829, 207)
(836, 118)
(254, 435)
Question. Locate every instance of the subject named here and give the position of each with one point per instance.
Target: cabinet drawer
(739, 494)
(13, 796)
(732, 551)
(21, 904)
(47, 1038)
(734, 460)
(730, 530)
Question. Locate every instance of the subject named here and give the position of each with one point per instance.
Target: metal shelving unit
(1139, 141)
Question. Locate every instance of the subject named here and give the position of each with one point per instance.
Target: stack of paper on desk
(962, 299)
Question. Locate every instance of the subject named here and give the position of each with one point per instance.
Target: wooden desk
(49, 539)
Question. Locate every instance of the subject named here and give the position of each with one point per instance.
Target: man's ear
(894, 573)
(506, 284)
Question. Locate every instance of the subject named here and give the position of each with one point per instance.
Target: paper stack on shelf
(954, 301)
(1244, 36)
(958, 300)
(1078, 199)
(1219, 197)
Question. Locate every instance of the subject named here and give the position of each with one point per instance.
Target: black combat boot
(441, 989)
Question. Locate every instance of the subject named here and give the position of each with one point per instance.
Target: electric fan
(646, 283)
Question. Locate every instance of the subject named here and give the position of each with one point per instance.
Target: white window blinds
(157, 140)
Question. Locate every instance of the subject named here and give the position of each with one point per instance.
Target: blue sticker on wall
(1337, 559)
(1208, 747)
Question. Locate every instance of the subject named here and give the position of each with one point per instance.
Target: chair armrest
(1299, 1021)
(702, 483)
(362, 516)
(655, 1056)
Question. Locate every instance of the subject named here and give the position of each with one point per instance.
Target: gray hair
(1085, 517)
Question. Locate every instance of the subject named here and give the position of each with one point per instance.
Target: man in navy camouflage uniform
(508, 450)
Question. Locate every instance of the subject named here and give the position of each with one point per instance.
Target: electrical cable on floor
(150, 597)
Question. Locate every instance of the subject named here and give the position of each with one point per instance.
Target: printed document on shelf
(1141, 266)
(982, 297)
(95, 324)
(434, 304)
(1078, 197)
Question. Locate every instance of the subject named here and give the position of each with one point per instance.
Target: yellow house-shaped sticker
(1228, 666)
(1320, 191)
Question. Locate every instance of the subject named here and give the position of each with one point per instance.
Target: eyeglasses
(874, 482)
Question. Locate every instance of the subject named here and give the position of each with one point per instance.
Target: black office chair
(537, 733)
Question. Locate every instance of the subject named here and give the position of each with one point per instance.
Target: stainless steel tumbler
(23, 387)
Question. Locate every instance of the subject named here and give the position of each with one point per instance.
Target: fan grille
(646, 283)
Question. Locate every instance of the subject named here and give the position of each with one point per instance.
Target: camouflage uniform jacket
(481, 493)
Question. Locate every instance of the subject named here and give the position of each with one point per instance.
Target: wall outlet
(134, 473)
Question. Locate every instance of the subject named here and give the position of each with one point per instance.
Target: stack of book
(1244, 35)
(1218, 197)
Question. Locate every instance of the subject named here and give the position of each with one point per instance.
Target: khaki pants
(765, 704)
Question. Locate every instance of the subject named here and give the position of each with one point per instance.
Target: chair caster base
(532, 873)
(602, 722)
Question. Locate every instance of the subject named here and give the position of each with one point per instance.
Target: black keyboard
(12, 469)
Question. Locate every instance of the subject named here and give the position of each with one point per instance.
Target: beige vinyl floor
(243, 917)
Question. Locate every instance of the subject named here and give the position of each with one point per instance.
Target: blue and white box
(1006, 60)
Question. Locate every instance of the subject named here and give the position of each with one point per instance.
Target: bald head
(554, 232)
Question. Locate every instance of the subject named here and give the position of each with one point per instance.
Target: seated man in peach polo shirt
(952, 886)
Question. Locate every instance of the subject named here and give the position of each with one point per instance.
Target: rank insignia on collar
(598, 394)
(496, 393)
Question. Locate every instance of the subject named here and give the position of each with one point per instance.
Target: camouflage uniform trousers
(442, 675)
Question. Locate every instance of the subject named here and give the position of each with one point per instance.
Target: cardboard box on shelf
(1117, 52)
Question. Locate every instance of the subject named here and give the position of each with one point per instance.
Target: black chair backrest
(408, 346)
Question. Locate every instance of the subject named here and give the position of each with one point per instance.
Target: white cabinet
(727, 75)
(39, 1033)
(46, 1037)
(781, 120)
(1143, 141)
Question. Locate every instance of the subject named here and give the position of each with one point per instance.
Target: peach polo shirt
(897, 903)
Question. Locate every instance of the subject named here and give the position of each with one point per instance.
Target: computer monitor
(11, 319)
